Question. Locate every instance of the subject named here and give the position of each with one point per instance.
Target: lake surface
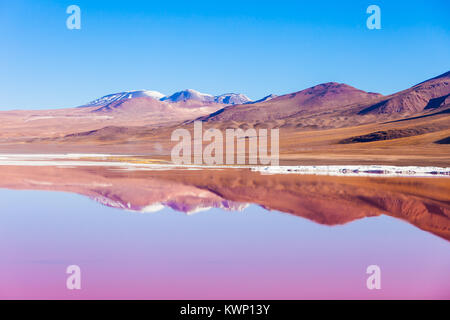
(220, 234)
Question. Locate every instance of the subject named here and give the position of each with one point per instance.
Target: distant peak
(332, 85)
(333, 88)
(191, 94)
(184, 95)
(232, 98)
(105, 100)
(197, 92)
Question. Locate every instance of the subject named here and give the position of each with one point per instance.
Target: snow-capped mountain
(125, 95)
(232, 98)
(189, 94)
(180, 96)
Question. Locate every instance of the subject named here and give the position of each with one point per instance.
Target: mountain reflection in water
(328, 200)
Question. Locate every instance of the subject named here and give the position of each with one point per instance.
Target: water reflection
(222, 253)
(423, 202)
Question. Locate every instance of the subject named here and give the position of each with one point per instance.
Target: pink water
(253, 254)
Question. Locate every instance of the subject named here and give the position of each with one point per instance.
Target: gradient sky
(253, 47)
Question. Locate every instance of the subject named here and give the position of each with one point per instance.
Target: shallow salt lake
(248, 254)
(133, 162)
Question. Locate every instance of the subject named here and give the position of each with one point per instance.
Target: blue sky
(251, 47)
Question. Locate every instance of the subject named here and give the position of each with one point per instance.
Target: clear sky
(252, 47)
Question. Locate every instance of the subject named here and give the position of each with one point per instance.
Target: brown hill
(324, 97)
(333, 105)
(430, 94)
(144, 111)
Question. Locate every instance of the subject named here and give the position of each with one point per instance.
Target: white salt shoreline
(76, 160)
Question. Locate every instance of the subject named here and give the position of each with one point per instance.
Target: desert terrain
(330, 123)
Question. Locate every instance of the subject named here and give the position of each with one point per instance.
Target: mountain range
(185, 95)
(328, 122)
(342, 102)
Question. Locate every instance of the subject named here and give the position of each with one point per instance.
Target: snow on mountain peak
(147, 93)
(125, 95)
(188, 94)
(232, 98)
